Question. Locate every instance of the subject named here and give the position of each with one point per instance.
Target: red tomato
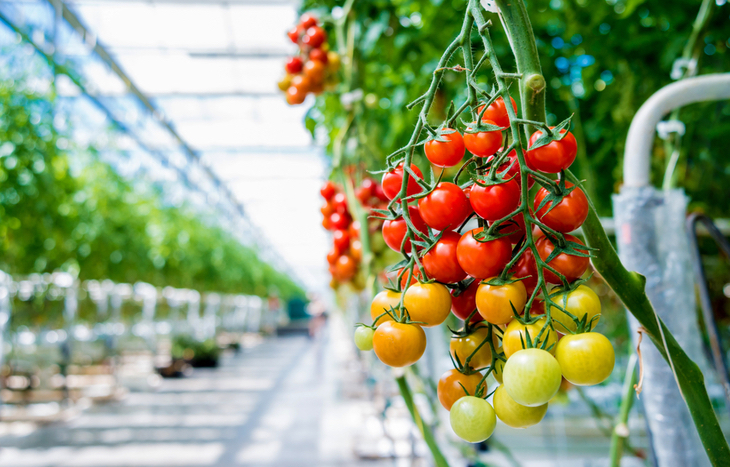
(294, 34)
(497, 112)
(314, 70)
(525, 266)
(568, 215)
(327, 223)
(307, 21)
(327, 210)
(314, 37)
(395, 230)
(446, 154)
(302, 83)
(345, 268)
(379, 193)
(332, 256)
(446, 207)
(318, 55)
(295, 95)
(339, 202)
(440, 262)
(466, 302)
(393, 180)
(495, 201)
(328, 190)
(571, 266)
(340, 221)
(294, 65)
(482, 260)
(341, 239)
(484, 143)
(553, 157)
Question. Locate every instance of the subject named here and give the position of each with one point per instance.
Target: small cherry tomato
(384, 301)
(567, 215)
(516, 415)
(495, 201)
(451, 386)
(364, 338)
(498, 303)
(295, 96)
(341, 239)
(570, 266)
(307, 21)
(447, 153)
(463, 304)
(585, 359)
(441, 263)
(340, 221)
(314, 70)
(429, 304)
(483, 143)
(318, 55)
(472, 419)
(294, 65)
(553, 157)
(446, 207)
(333, 61)
(393, 180)
(394, 231)
(346, 267)
(328, 190)
(516, 334)
(339, 202)
(532, 377)
(579, 302)
(399, 344)
(294, 34)
(314, 37)
(302, 83)
(462, 348)
(482, 259)
(332, 256)
(497, 112)
(356, 250)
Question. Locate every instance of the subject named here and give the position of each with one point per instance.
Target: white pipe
(640, 139)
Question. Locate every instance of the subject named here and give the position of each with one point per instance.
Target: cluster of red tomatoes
(481, 281)
(314, 67)
(346, 253)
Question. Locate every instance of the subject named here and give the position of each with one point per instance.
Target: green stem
(620, 433)
(425, 430)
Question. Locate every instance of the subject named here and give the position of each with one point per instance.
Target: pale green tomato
(472, 419)
(580, 302)
(531, 377)
(514, 414)
(364, 338)
(585, 359)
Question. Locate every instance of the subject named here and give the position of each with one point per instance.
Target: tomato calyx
(485, 235)
(499, 281)
(556, 193)
(549, 135)
(537, 343)
(562, 245)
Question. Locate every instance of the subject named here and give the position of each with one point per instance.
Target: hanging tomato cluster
(346, 254)
(314, 67)
(528, 318)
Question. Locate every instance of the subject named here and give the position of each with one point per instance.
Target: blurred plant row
(62, 208)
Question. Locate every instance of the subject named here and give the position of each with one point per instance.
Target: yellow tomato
(428, 303)
(463, 347)
(496, 303)
(515, 334)
(580, 302)
(514, 414)
(585, 359)
(383, 302)
(399, 344)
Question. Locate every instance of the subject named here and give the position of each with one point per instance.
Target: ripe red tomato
(482, 260)
(332, 256)
(446, 154)
(484, 143)
(395, 230)
(318, 55)
(328, 190)
(327, 210)
(446, 207)
(497, 112)
(495, 201)
(301, 82)
(340, 221)
(525, 266)
(393, 180)
(294, 34)
(339, 202)
(553, 157)
(345, 267)
(314, 37)
(295, 95)
(440, 262)
(314, 70)
(294, 65)
(463, 304)
(341, 239)
(568, 215)
(307, 21)
(571, 266)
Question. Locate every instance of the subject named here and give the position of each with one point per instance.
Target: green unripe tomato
(514, 414)
(364, 338)
(472, 419)
(532, 377)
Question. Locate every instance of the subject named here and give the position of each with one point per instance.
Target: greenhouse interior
(314, 233)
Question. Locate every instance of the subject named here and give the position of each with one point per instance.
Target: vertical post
(4, 320)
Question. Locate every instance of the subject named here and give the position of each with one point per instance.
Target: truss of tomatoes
(346, 253)
(314, 67)
(481, 280)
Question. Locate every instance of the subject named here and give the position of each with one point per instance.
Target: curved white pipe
(640, 139)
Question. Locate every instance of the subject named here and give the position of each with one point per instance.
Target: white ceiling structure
(210, 67)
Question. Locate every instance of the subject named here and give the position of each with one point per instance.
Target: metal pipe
(640, 139)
